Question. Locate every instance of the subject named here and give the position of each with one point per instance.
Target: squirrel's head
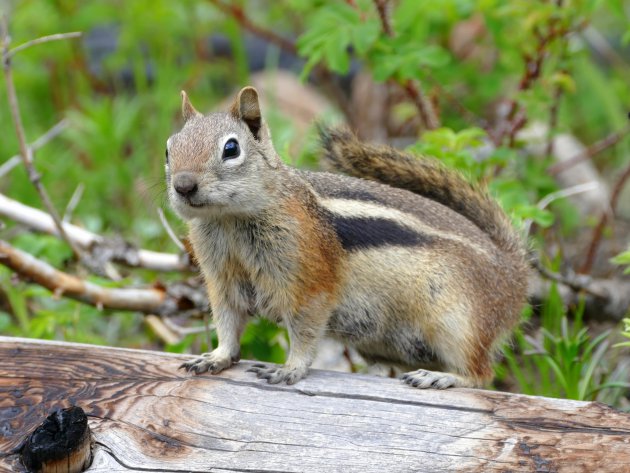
(221, 163)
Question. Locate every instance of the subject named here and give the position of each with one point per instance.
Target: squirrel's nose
(185, 184)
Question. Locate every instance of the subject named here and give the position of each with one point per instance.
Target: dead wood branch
(605, 299)
(88, 241)
(155, 300)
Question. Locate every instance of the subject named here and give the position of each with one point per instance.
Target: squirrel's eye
(166, 153)
(231, 149)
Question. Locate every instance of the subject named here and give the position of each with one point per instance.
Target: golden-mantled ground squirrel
(419, 269)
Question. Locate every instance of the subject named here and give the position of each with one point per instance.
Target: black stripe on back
(356, 233)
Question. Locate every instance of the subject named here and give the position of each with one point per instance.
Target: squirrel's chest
(254, 264)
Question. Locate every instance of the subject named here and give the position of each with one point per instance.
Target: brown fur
(319, 256)
(426, 275)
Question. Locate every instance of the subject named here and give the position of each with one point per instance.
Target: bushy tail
(423, 176)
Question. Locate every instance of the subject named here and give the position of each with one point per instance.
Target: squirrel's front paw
(277, 375)
(213, 362)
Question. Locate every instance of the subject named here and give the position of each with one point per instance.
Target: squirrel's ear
(246, 108)
(188, 111)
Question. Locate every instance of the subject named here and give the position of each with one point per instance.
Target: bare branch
(43, 39)
(516, 117)
(237, 12)
(424, 105)
(591, 151)
(382, 7)
(577, 282)
(605, 299)
(26, 152)
(43, 140)
(160, 329)
(183, 331)
(24, 264)
(599, 228)
(553, 119)
(42, 222)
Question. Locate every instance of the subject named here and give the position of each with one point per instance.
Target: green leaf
(542, 217)
(336, 54)
(364, 36)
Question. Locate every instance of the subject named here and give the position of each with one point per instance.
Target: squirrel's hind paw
(276, 375)
(425, 379)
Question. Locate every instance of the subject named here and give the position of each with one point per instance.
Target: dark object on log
(145, 415)
(60, 445)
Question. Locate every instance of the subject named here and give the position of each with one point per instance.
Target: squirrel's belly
(403, 344)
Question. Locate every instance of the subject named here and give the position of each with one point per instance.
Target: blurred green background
(481, 65)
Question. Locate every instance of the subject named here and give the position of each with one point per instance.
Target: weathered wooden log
(145, 415)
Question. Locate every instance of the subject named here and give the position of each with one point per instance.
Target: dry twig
(237, 12)
(516, 117)
(159, 328)
(43, 39)
(52, 133)
(27, 266)
(25, 151)
(553, 119)
(591, 151)
(601, 224)
(88, 241)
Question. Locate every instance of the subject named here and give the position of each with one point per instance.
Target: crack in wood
(107, 450)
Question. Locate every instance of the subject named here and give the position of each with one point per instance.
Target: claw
(424, 379)
(187, 366)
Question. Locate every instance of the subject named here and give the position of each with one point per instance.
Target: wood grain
(148, 416)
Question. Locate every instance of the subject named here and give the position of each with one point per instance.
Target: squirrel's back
(427, 178)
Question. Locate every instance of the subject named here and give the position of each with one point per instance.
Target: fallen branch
(605, 300)
(157, 300)
(88, 241)
(161, 330)
(576, 282)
